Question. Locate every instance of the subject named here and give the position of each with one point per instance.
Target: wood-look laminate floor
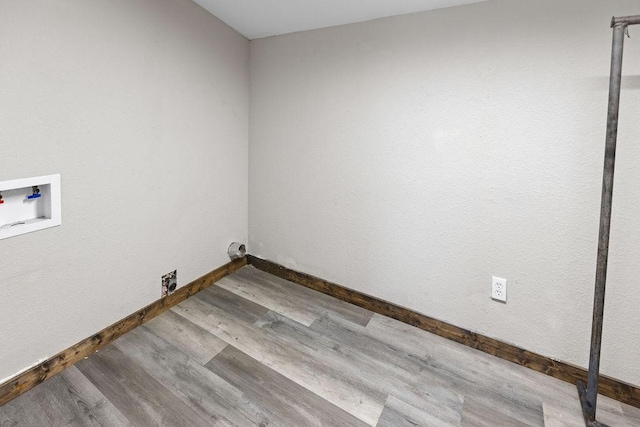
(256, 350)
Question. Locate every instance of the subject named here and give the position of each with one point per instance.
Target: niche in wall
(29, 204)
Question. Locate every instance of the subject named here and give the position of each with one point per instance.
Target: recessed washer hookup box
(29, 204)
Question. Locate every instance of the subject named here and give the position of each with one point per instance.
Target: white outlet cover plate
(499, 289)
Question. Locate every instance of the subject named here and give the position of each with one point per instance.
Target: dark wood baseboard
(56, 364)
(610, 387)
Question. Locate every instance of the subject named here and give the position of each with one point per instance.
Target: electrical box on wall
(29, 204)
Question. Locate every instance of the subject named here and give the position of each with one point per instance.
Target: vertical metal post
(588, 397)
(605, 215)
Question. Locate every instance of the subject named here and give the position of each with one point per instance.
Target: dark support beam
(589, 394)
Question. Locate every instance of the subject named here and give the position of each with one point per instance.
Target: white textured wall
(142, 106)
(411, 158)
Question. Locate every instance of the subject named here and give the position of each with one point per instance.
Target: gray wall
(142, 107)
(412, 158)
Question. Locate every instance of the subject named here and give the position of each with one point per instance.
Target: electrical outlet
(169, 283)
(499, 289)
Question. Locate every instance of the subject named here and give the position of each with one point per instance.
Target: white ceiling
(262, 18)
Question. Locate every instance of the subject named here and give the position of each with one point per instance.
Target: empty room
(319, 213)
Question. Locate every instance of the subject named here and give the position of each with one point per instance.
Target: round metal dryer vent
(237, 250)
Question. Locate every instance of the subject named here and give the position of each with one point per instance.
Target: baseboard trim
(30, 378)
(607, 386)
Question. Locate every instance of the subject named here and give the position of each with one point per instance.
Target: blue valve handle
(36, 193)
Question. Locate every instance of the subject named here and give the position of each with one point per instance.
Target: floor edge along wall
(30, 378)
(609, 387)
(25, 381)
